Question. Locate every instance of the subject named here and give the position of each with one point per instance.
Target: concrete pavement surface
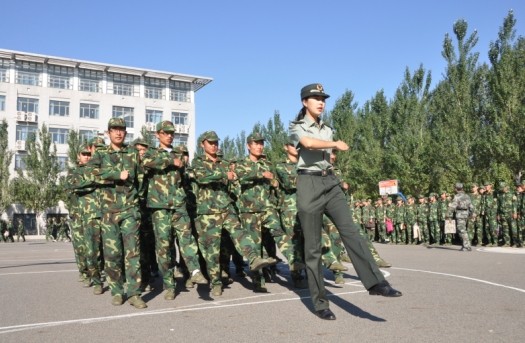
(448, 296)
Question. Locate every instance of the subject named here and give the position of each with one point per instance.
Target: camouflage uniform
(474, 224)
(462, 206)
(257, 213)
(369, 220)
(120, 217)
(380, 219)
(410, 219)
(85, 222)
(507, 215)
(287, 174)
(20, 231)
(166, 199)
(490, 208)
(422, 215)
(399, 222)
(215, 212)
(442, 212)
(389, 214)
(433, 223)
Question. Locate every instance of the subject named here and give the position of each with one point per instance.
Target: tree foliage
(5, 160)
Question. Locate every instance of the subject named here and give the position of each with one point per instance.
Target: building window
(179, 118)
(20, 161)
(90, 80)
(59, 108)
(2, 103)
(154, 88)
(29, 73)
(179, 139)
(89, 111)
(58, 136)
(27, 105)
(4, 70)
(126, 113)
(62, 162)
(85, 136)
(60, 77)
(24, 132)
(180, 91)
(125, 84)
(153, 116)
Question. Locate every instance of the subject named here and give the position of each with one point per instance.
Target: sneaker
(198, 278)
(87, 282)
(169, 294)
(272, 261)
(260, 289)
(189, 284)
(137, 302)
(177, 273)
(383, 264)
(339, 280)
(117, 300)
(216, 290)
(258, 263)
(338, 267)
(98, 290)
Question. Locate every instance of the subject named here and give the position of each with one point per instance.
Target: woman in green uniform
(318, 193)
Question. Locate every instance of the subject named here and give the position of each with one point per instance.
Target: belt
(324, 172)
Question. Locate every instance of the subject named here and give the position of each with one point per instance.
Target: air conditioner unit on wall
(20, 145)
(184, 128)
(21, 116)
(31, 116)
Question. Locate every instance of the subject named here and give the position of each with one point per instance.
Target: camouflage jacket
(287, 175)
(83, 184)
(117, 195)
(461, 204)
(255, 193)
(368, 215)
(380, 213)
(410, 214)
(399, 214)
(490, 206)
(476, 203)
(442, 209)
(507, 204)
(390, 211)
(422, 213)
(212, 181)
(433, 209)
(164, 180)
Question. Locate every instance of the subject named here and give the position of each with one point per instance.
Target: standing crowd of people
(493, 218)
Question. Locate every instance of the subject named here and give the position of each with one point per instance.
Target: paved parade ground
(448, 296)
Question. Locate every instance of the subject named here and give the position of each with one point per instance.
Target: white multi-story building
(67, 94)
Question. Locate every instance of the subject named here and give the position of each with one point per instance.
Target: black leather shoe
(383, 288)
(325, 314)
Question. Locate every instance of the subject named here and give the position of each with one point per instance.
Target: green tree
(276, 137)
(5, 160)
(40, 185)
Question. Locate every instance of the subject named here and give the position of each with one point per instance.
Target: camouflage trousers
(148, 258)
(20, 233)
(335, 239)
(169, 225)
(381, 230)
(268, 220)
(509, 230)
(327, 253)
(120, 233)
(433, 229)
(491, 230)
(292, 228)
(94, 251)
(475, 229)
(423, 228)
(79, 245)
(210, 229)
(461, 227)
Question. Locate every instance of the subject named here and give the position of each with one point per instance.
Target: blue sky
(259, 53)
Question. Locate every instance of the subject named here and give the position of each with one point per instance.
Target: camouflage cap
(487, 183)
(421, 196)
(141, 141)
(210, 136)
(459, 185)
(116, 122)
(432, 195)
(409, 197)
(166, 126)
(398, 198)
(314, 89)
(97, 141)
(255, 137)
(474, 185)
(502, 186)
(84, 149)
